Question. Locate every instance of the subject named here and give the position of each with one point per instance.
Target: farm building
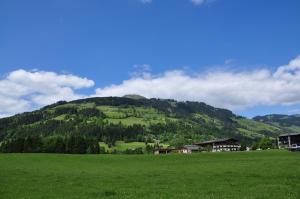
(289, 141)
(228, 144)
(162, 151)
(189, 149)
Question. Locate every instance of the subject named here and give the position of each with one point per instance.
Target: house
(289, 141)
(227, 144)
(162, 151)
(189, 149)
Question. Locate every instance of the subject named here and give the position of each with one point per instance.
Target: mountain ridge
(121, 118)
(290, 123)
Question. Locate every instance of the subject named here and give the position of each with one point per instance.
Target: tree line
(73, 144)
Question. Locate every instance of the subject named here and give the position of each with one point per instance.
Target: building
(227, 144)
(162, 151)
(189, 149)
(289, 141)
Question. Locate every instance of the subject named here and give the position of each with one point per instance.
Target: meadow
(236, 175)
(122, 146)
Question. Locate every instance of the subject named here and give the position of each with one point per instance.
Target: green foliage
(65, 110)
(54, 145)
(75, 144)
(290, 123)
(138, 150)
(179, 141)
(90, 112)
(255, 145)
(266, 143)
(113, 119)
(149, 148)
(243, 146)
(254, 129)
(282, 120)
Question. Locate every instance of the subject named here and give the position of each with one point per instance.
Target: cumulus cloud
(195, 2)
(233, 90)
(24, 90)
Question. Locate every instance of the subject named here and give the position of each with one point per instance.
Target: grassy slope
(253, 128)
(242, 175)
(146, 116)
(286, 122)
(207, 124)
(130, 116)
(122, 146)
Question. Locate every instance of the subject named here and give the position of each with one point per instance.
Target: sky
(239, 55)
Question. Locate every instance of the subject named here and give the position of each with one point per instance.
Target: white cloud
(145, 1)
(195, 2)
(24, 90)
(198, 2)
(233, 90)
(201, 2)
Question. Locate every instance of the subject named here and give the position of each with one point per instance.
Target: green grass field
(241, 175)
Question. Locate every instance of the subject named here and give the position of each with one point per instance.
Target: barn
(289, 141)
(227, 144)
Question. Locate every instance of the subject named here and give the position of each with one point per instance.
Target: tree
(76, 144)
(102, 150)
(178, 141)
(149, 149)
(92, 146)
(54, 145)
(32, 144)
(265, 143)
(243, 146)
(255, 145)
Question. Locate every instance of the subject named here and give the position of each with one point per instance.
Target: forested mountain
(134, 118)
(290, 123)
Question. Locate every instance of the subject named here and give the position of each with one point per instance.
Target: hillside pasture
(240, 175)
(123, 146)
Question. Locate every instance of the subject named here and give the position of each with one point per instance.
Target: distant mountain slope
(286, 122)
(121, 118)
(134, 96)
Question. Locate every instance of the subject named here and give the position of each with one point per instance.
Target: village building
(227, 144)
(162, 151)
(186, 149)
(289, 141)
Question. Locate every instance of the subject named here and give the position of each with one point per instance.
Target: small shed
(162, 151)
(186, 149)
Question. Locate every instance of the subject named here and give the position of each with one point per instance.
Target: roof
(216, 141)
(288, 134)
(191, 147)
(163, 149)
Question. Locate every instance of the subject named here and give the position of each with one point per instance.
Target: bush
(266, 143)
(134, 151)
(255, 145)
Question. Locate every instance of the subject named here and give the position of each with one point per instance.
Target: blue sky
(148, 43)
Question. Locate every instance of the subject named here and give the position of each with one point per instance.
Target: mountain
(290, 123)
(109, 119)
(134, 96)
